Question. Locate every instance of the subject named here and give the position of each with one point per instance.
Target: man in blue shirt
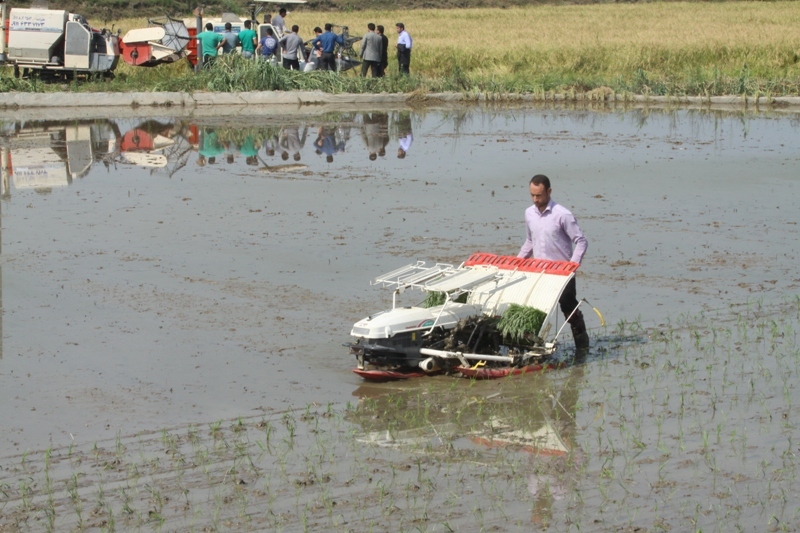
(327, 41)
(266, 48)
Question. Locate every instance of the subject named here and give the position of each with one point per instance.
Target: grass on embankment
(703, 49)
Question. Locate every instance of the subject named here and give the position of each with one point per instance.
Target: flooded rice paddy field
(175, 292)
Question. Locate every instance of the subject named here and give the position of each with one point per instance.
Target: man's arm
(578, 240)
(527, 247)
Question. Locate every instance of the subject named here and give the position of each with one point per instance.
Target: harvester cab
(54, 43)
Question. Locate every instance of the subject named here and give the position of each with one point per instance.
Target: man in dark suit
(384, 63)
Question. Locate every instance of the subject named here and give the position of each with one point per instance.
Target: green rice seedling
(435, 298)
(519, 322)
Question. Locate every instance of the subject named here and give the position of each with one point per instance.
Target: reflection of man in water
(556, 459)
(249, 150)
(292, 141)
(553, 233)
(231, 149)
(326, 143)
(270, 144)
(210, 148)
(371, 133)
(405, 136)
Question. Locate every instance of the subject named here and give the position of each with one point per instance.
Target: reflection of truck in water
(45, 154)
(52, 154)
(54, 43)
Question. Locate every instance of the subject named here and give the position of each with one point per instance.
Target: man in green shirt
(248, 39)
(209, 42)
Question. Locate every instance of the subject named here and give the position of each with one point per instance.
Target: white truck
(54, 43)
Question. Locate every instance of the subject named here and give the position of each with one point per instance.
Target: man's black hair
(371, 26)
(541, 179)
(295, 28)
(248, 24)
(209, 26)
(328, 26)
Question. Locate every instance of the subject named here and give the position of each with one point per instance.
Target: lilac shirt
(550, 235)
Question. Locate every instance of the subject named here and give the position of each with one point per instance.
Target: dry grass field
(652, 48)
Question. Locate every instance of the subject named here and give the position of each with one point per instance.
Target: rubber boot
(579, 331)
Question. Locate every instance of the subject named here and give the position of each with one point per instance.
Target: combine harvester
(55, 43)
(58, 45)
(164, 41)
(465, 333)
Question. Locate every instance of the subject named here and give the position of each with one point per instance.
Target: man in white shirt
(403, 48)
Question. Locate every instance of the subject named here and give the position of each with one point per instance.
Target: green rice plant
(434, 298)
(521, 321)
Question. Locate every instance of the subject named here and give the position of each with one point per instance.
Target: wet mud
(175, 293)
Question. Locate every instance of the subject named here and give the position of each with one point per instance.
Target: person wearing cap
(403, 48)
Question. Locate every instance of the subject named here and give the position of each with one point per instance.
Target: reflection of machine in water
(47, 154)
(158, 145)
(529, 421)
(43, 155)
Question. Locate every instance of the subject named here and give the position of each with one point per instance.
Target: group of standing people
(375, 50)
(212, 43)
(374, 46)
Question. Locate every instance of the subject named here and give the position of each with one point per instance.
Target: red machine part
(135, 140)
(191, 48)
(136, 54)
(509, 262)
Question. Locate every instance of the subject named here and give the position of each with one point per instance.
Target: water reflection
(375, 133)
(529, 422)
(41, 155)
(404, 136)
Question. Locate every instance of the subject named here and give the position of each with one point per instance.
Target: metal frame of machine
(410, 341)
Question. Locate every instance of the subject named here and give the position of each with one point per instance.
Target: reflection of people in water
(404, 135)
(375, 133)
(270, 144)
(231, 149)
(249, 150)
(326, 143)
(556, 460)
(292, 141)
(210, 148)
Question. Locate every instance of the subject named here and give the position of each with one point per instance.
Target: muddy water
(168, 271)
